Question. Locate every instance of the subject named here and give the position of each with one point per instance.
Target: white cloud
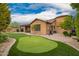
(46, 15)
(64, 6)
(50, 13)
(27, 18)
(22, 18)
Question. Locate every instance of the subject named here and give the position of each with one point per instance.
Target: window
(37, 27)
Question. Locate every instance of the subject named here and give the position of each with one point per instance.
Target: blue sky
(23, 12)
(31, 8)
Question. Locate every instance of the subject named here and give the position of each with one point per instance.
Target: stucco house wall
(27, 29)
(57, 23)
(43, 27)
(48, 28)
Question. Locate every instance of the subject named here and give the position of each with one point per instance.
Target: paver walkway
(5, 46)
(60, 37)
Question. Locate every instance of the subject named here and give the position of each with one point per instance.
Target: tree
(68, 23)
(4, 20)
(4, 16)
(76, 6)
(14, 25)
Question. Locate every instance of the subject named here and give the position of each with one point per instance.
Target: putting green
(35, 44)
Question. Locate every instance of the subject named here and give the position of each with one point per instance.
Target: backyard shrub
(66, 33)
(3, 37)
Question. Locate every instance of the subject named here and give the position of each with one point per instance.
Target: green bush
(73, 33)
(66, 33)
(3, 37)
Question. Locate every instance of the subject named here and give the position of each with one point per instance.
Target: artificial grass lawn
(35, 44)
(23, 47)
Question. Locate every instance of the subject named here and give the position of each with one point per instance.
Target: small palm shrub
(3, 37)
(66, 33)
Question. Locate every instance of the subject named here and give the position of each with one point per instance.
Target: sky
(25, 13)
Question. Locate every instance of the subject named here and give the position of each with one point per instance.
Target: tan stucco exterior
(57, 23)
(46, 27)
(27, 29)
(43, 27)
